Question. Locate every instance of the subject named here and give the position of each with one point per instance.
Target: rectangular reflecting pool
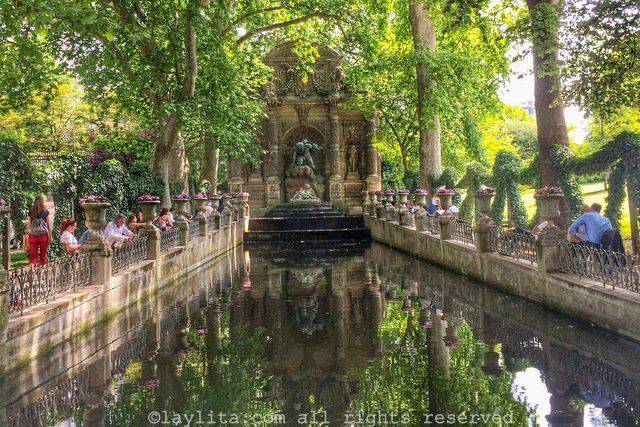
(357, 336)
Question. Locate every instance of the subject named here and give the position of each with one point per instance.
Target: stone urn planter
(421, 197)
(483, 203)
(95, 215)
(549, 207)
(199, 201)
(215, 202)
(491, 364)
(374, 197)
(148, 208)
(445, 199)
(181, 201)
(403, 195)
(244, 197)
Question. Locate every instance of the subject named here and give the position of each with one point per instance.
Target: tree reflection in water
(353, 338)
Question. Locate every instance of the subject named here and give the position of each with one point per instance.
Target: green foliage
(409, 381)
(572, 196)
(473, 179)
(20, 179)
(510, 129)
(601, 50)
(447, 179)
(506, 171)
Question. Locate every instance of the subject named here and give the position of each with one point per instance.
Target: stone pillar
(371, 155)
(335, 181)
(183, 235)
(235, 175)
(271, 166)
(445, 223)
(548, 251)
(153, 241)
(483, 224)
(4, 315)
(202, 225)
(101, 256)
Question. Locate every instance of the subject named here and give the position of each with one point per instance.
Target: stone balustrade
(103, 279)
(595, 285)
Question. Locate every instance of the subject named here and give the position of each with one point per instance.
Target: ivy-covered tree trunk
(424, 41)
(552, 128)
(210, 163)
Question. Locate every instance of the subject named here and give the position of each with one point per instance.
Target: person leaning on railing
(67, 236)
(117, 232)
(595, 226)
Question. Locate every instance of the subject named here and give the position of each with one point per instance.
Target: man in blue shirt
(594, 223)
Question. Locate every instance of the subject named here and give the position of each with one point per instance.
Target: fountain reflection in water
(330, 334)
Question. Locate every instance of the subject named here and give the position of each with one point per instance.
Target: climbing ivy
(620, 156)
(506, 171)
(447, 179)
(475, 176)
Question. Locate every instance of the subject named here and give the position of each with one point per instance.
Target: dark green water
(366, 338)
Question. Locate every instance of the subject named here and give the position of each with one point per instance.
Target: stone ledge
(47, 325)
(614, 309)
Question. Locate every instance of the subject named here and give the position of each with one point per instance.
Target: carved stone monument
(308, 139)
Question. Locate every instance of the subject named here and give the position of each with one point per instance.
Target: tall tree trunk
(164, 145)
(210, 162)
(424, 40)
(552, 128)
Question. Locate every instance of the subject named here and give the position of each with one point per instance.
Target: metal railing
(610, 268)
(130, 252)
(194, 228)
(169, 238)
(432, 224)
(514, 245)
(29, 285)
(462, 231)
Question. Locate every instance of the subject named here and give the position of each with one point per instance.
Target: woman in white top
(68, 227)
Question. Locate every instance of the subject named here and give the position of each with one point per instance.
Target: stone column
(101, 256)
(373, 178)
(272, 167)
(445, 223)
(153, 241)
(235, 175)
(4, 315)
(548, 251)
(335, 181)
(202, 225)
(483, 223)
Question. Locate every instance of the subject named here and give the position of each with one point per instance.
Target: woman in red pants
(39, 229)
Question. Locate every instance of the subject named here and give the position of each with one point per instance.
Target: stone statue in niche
(352, 162)
(303, 184)
(302, 154)
(305, 195)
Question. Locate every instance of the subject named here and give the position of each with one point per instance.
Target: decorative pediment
(324, 80)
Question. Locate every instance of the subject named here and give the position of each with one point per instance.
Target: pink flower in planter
(148, 198)
(181, 196)
(244, 193)
(390, 192)
(446, 191)
(378, 192)
(93, 198)
(428, 325)
(486, 190)
(246, 285)
(200, 330)
(184, 351)
(215, 196)
(3, 202)
(421, 191)
(453, 344)
(548, 191)
(200, 196)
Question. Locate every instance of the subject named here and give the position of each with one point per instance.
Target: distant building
(529, 107)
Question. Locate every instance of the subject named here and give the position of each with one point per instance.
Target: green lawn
(592, 192)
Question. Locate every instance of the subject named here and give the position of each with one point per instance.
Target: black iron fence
(130, 252)
(610, 268)
(31, 285)
(514, 245)
(169, 238)
(462, 231)
(194, 228)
